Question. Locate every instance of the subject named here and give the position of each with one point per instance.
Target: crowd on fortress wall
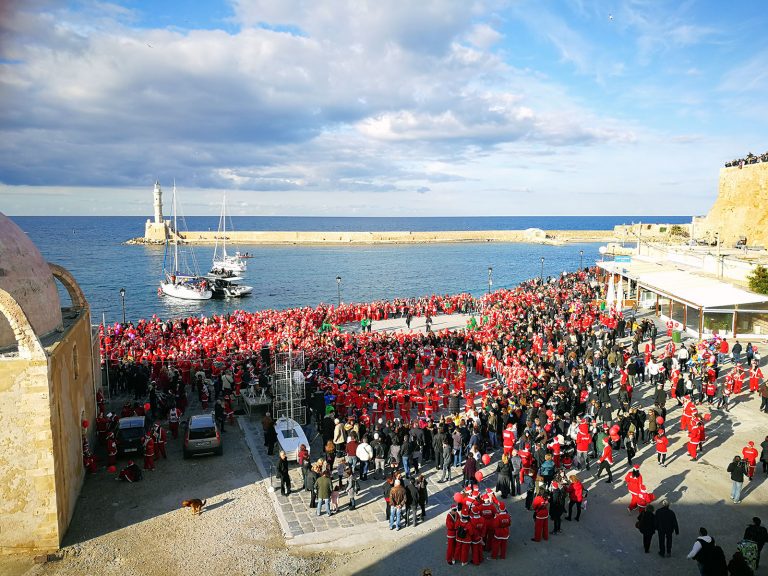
(748, 159)
(556, 396)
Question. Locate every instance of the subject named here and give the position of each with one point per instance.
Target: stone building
(48, 362)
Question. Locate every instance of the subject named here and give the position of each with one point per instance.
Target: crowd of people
(748, 159)
(557, 377)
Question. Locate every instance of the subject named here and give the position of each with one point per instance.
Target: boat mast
(223, 225)
(175, 233)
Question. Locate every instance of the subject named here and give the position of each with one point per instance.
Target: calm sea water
(93, 249)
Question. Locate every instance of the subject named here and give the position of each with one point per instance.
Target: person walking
(606, 460)
(757, 533)
(282, 470)
(646, 523)
(702, 552)
(666, 524)
(737, 470)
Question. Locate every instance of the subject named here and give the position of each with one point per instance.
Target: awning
(692, 289)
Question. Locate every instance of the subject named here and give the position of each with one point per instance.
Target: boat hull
(290, 436)
(184, 292)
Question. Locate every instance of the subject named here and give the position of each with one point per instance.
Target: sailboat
(179, 280)
(224, 263)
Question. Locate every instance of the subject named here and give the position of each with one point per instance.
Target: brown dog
(196, 504)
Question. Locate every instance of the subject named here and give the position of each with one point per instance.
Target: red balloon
(659, 420)
(707, 416)
(614, 429)
(479, 476)
(84, 423)
(112, 469)
(458, 498)
(549, 412)
(426, 372)
(614, 437)
(486, 459)
(147, 406)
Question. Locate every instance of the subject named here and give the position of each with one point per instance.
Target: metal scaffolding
(289, 386)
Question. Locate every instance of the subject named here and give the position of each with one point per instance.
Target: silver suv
(202, 436)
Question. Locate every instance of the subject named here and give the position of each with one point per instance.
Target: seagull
(148, 44)
(610, 16)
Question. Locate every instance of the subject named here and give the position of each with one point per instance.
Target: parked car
(130, 431)
(202, 436)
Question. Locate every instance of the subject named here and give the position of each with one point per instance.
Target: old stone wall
(28, 517)
(741, 208)
(42, 403)
(72, 400)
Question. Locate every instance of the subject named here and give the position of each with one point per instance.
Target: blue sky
(348, 107)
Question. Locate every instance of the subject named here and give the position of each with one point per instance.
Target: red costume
(149, 451)
(500, 533)
(750, 456)
(541, 518)
(463, 539)
(451, 522)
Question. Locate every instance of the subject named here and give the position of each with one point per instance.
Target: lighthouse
(158, 203)
(156, 231)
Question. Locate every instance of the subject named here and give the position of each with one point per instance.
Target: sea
(94, 250)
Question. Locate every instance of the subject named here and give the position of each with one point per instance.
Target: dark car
(130, 431)
(202, 436)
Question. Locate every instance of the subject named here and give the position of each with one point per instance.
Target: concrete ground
(140, 529)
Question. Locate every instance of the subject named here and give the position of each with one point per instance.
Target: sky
(378, 108)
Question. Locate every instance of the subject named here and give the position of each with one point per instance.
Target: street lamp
(490, 279)
(542, 270)
(338, 290)
(581, 259)
(122, 298)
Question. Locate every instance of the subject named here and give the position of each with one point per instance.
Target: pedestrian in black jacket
(282, 470)
(758, 534)
(666, 523)
(646, 523)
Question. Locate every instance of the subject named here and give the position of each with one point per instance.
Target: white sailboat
(223, 262)
(179, 280)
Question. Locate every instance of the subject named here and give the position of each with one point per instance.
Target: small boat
(290, 436)
(222, 260)
(228, 288)
(179, 280)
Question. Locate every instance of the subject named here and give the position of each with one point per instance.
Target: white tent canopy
(692, 289)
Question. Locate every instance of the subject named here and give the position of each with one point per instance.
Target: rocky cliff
(741, 208)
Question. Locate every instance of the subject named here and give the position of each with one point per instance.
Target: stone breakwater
(395, 237)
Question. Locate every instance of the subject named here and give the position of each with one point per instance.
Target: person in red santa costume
(540, 507)
(111, 449)
(634, 480)
(451, 523)
(755, 377)
(463, 537)
(148, 442)
(478, 534)
(174, 415)
(694, 438)
(749, 452)
(501, 524)
(662, 444)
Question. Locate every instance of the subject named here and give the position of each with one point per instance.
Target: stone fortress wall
(741, 208)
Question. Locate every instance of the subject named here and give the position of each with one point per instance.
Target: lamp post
(542, 270)
(581, 259)
(338, 290)
(490, 278)
(122, 298)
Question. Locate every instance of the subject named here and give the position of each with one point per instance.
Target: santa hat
(555, 486)
(750, 443)
(605, 440)
(636, 466)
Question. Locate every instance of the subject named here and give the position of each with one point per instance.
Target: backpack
(461, 532)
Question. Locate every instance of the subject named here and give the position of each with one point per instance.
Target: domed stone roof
(25, 275)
